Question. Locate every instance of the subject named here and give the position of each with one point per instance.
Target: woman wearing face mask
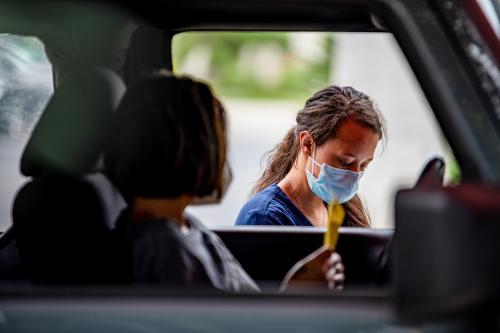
(321, 159)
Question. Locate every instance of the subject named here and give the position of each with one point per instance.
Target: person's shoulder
(266, 195)
(264, 208)
(149, 233)
(232, 275)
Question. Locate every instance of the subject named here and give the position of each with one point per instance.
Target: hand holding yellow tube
(336, 216)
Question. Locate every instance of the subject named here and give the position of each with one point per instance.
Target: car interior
(62, 214)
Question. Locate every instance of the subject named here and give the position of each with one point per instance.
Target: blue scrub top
(271, 206)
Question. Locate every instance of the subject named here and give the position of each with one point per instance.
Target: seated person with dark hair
(168, 146)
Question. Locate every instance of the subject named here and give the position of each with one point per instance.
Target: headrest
(69, 136)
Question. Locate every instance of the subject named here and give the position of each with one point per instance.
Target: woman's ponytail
(279, 161)
(357, 216)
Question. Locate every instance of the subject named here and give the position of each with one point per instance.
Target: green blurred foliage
(233, 62)
(454, 174)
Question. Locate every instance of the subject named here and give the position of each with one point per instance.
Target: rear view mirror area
(432, 173)
(446, 250)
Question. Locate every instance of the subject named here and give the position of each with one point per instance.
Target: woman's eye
(344, 163)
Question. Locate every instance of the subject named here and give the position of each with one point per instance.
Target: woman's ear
(306, 143)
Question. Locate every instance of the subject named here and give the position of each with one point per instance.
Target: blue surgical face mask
(332, 183)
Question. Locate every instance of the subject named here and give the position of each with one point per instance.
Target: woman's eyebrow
(354, 157)
(347, 155)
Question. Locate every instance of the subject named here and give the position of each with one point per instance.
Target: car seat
(62, 217)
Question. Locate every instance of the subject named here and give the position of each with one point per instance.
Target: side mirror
(447, 250)
(432, 174)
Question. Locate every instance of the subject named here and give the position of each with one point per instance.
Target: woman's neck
(297, 189)
(160, 208)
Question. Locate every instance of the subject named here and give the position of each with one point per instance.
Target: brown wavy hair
(322, 116)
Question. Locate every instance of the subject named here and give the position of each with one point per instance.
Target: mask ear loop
(314, 160)
(314, 163)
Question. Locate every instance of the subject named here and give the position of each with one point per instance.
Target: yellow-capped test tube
(336, 216)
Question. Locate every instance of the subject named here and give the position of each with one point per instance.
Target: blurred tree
(256, 64)
(453, 172)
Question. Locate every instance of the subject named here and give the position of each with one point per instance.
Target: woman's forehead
(353, 140)
(351, 130)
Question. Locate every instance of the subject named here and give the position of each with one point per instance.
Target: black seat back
(62, 232)
(63, 216)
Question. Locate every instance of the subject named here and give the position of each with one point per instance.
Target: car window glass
(264, 79)
(25, 87)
